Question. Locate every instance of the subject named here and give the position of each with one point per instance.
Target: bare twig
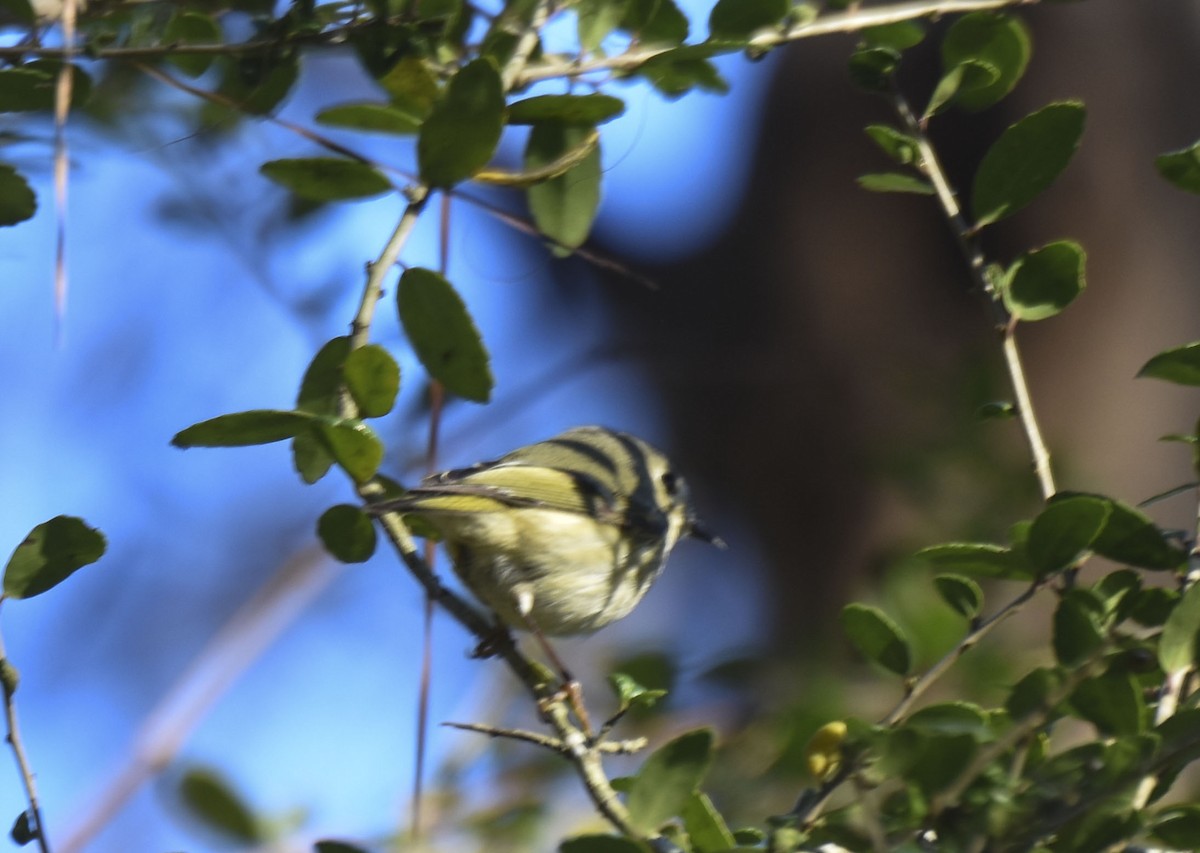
(8, 683)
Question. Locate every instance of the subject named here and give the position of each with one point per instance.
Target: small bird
(562, 536)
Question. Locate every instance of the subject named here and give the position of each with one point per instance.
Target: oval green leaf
(1178, 827)
(1177, 649)
(326, 178)
(899, 36)
(706, 829)
(578, 110)
(895, 182)
(997, 40)
(322, 383)
(600, 844)
(968, 75)
(1111, 702)
(463, 128)
(1180, 365)
(310, 458)
(563, 207)
(655, 22)
(630, 693)
(1130, 537)
(377, 118)
(877, 637)
(373, 379)
(737, 20)
(872, 68)
(347, 533)
(901, 147)
(211, 800)
(51, 553)
(665, 784)
(1182, 168)
(1025, 160)
(188, 27)
(980, 559)
(412, 86)
(1043, 282)
(443, 335)
(354, 446)
(1077, 631)
(961, 593)
(1064, 530)
(259, 426)
(17, 199)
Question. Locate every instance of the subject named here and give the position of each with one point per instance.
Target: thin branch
(615, 747)
(968, 242)
(849, 21)
(8, 683)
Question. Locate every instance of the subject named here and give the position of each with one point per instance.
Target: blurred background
(811, 357)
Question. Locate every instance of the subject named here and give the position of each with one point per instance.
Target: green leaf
(665, 784)
(412, 86)
(1032, 693)
(1025, 160)
(310, 458)
(259, 426)
(30, 87)
(597, 19)
(1178, 827)
(18, 12)
(17, 199)
(968, 75)
(899, 36)
(330, 846)
(1064, 530)
(1180, 365)
(962, 594)
(655, 22)
(579, 110)
(953, 718)
(1177, 648)
(322, 383)
(1112, 703)
(257, 85)
(901, 147)
(442, 334)
(895, 182)
(978, 559)
(705, 827)
(872, 69)
(630, 693)
(600, 844)
(1077, 630)
(1182, 168)
(1043, 282)
(51, 553)
(24, 829)
(354, 446)
(326, 178)
(211, 800)
(1153, 605)
(347, 533)
(462, 131)
(1130, 537)
(563, 207)
(373, 379)
(737, 20)
(380, 118)
(878, 637)
(997, 40)
(187, 27)
(997, 410)
(676, 72)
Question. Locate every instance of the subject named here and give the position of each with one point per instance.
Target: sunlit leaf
(1180, 365)
(1025, 160)
(327, 178)
(443, 335)
(463, 128)
(373, 379)
(877, 636)
(668, 778)
(565, 206)
(1043, 282)
(997, 40)
(51, 553)
(1182, 168)
(1177, 648)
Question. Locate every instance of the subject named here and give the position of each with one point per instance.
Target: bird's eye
(670, 482)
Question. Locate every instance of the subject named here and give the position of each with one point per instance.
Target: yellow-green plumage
(565, 535)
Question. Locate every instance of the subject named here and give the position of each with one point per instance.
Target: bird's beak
(695, 528)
